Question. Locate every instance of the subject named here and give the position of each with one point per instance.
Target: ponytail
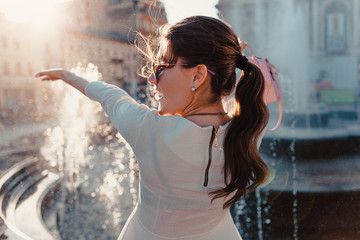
(244, 170)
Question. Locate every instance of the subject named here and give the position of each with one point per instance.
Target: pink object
(325, 85)
(272, 87)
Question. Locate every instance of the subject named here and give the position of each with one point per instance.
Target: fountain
(82, 183)
(98, 180)
(313, 190)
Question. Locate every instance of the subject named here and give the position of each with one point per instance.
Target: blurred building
(103, 32)
(332, 36)
(333, 25)
(117, 16)
(97, 31)
(24, 51)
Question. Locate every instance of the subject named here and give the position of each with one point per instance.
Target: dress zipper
(212, 139)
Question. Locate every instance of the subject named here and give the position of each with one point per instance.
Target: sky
(41, 11)
(177, 10)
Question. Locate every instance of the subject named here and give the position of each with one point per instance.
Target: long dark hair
(209, 41)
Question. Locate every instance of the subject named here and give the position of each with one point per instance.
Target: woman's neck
(208, 115)
(205, 121)
(201, 112)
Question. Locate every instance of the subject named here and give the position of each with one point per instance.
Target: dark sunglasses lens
(157, 71)
(158, 68)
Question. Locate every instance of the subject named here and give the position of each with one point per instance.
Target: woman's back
(173, 203)
(172, 169)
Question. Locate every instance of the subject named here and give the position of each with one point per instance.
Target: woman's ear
(200, 75)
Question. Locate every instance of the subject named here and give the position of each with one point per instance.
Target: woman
(195, 160)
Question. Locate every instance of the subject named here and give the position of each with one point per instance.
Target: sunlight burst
(39, 13)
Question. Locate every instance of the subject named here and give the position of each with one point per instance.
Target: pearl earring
(193, 89)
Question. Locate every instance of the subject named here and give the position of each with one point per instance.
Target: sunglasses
(159, 68)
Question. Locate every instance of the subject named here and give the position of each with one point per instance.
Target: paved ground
(10, 133)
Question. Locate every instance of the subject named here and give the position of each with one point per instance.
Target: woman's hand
(60, 74)
(53, 74)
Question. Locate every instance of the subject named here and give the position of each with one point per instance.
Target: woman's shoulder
(178, 125)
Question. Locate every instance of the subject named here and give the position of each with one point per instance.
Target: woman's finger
(43, 73)
(39, 74)
(54, 72)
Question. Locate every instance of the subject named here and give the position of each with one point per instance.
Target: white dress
(172, 153)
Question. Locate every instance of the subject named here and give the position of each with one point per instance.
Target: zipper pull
(212, 139)
(216, 130)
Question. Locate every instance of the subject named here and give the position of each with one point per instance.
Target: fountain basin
(318, 215)
(21, 195)
(317, 119)
(312, 149)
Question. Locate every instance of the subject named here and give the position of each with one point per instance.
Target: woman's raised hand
(53, 74)
(70, 78)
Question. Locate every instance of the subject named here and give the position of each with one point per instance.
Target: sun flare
(39, 13)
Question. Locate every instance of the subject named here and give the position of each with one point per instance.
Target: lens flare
(38, 13)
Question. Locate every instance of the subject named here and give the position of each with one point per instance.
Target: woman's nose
(152, 79)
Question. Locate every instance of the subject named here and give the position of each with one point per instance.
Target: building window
(30, 69)
(335, 28)
(119, 1)
(6, 68)
(100, 52)
(18, 68)
(17, 45)
(90, 52)
(4, 42)
(47, 49)
(114, 1)
(79, 51)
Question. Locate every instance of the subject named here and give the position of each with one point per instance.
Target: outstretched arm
(60, 74)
